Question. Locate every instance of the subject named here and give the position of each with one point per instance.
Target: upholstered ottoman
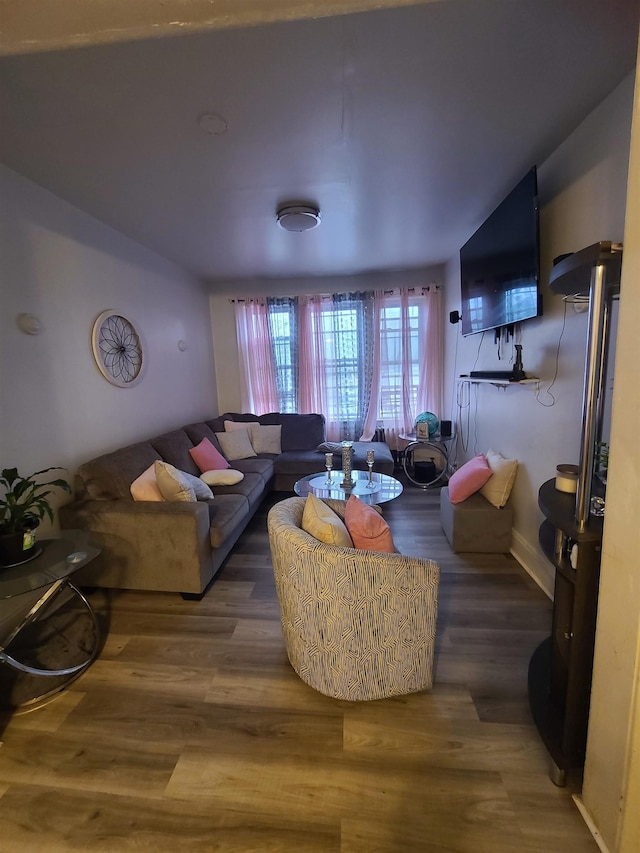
(475, 525)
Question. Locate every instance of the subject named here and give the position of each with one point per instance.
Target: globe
(433, 424)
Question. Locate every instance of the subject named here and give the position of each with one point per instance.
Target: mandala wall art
(117, 349)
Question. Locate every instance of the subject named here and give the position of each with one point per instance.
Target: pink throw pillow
(367, 528)
(469, 478)
(145, 487)
(207, 458)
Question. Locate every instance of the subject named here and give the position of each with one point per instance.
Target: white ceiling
(406, 126)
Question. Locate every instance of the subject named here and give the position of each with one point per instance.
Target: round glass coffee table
(385, 488)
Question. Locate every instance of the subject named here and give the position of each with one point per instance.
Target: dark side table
(27, 595)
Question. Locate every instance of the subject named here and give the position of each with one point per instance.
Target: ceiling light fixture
(298, 217)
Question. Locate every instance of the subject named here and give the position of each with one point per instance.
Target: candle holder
(328, 464)
(370, 457)
(347, 479)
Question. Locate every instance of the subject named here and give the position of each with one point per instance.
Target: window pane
(282, 325)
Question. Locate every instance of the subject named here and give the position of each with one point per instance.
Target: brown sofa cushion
(299, 432)
(109, 477)
(241, 417)
(174, 448)
(196, 432)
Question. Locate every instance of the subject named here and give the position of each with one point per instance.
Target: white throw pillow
(266, 439)
(236, 444)
(177, 485)
(498, 487)
(226, 477)
(145, 487)
(232, 426)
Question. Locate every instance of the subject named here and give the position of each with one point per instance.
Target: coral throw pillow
(207, 458)
(469, 479)
(367, 527)
(321, 522)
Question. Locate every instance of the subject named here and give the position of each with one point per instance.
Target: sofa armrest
(152, 545)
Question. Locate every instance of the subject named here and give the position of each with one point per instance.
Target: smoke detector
(298, 217)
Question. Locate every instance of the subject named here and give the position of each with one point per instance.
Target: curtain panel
(258, 389)
(363, 359)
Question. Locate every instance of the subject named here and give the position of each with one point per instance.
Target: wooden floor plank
(192, 732)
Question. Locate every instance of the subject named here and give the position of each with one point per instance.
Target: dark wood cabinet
(560, 668)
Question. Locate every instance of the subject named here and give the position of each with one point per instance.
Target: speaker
(445, 429)
(424, 472)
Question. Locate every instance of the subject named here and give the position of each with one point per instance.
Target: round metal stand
(431, 468)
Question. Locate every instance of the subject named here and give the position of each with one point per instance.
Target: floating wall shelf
(500, 383)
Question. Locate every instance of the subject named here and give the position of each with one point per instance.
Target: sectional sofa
(177, 546)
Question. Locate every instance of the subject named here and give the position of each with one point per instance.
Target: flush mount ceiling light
(298, 217)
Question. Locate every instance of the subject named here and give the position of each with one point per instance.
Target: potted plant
(23, 505)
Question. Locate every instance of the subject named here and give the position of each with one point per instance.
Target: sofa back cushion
(241, 417)
(217, 424)
(174, 448)
(299, 432)
(197, 432)
(109, 477)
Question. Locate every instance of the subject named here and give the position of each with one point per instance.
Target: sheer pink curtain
(258, 389)
(313, 389)
(371, 420)
(400, 389)
(398, 408)
(311, 359)
(430, 385)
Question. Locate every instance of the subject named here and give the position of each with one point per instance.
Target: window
(282, 327)
(399, 369)
(358, 358)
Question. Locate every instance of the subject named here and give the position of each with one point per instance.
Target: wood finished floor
(192, 733)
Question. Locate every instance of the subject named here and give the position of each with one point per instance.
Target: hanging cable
(555, 373)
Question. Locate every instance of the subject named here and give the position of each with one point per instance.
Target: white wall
(223, 318)
(582, 189)
(612, 771)
(66, 268)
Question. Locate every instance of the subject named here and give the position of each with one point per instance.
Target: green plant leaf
(25, 496)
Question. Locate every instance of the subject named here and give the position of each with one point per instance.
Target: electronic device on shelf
(500, 266)
(504, 375)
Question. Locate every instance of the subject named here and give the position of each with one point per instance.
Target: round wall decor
(117, 349)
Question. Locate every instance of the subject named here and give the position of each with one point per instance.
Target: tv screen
(499, 264)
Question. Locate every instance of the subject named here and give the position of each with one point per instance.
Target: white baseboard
(534, 563)
(593, 829)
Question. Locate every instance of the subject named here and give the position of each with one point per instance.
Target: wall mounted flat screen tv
(500, 264)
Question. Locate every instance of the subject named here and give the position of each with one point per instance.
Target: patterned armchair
(357, 624)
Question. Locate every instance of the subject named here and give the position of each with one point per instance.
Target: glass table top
(55, 559)
(385, 488)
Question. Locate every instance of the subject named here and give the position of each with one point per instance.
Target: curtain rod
(425, 289)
